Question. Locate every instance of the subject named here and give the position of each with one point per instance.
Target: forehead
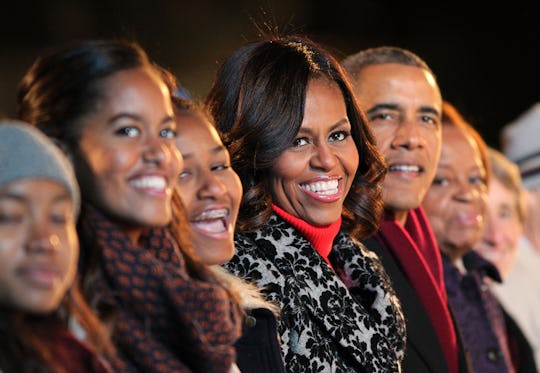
(194, 131)
(132, 84)
(32, 189)
(396, 82)
(456, 142)
(323, 98)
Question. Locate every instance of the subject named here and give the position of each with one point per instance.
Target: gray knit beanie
(27, 153)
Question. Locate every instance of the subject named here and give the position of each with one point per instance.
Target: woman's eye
(220, 167)
(168, 133)
(505, 214)
(441, 181)
(184, 175)
(339, 136)
(477, 180)
(59, 218)
(129, 131)
(11, 218)
(301, 141)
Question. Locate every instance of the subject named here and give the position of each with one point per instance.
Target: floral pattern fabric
(345, 319)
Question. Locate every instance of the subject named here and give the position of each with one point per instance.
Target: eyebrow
(21, 198)
(138, 118)
(12, 196)
(216, 150)
(423, 109)
(382, 106)
(339, 123)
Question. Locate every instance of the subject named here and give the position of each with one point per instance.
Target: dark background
(484, 55)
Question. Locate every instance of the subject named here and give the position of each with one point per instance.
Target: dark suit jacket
(258, 349)
(520, 349)
(423, 352)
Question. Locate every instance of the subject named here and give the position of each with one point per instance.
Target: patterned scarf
(415, 249)
(347, 320)
(167, 321)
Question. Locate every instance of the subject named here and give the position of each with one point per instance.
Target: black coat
(423, 352)
(258, 350)
(520, 349)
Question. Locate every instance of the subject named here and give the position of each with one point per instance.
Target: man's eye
(429, 119)
(379, 116)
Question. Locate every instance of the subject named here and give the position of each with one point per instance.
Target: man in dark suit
(402, 101)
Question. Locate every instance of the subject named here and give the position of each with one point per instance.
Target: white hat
(520, 141)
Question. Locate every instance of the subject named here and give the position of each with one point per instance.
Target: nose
(492, 234)
(41, 239)
(466, 192)
(408, 135)
(155, 150)
(324, 157)
(211, 186)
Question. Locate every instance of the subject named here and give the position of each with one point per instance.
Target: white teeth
(322, 187)
(212, 214)
(405, 168)
(210, 226)
(211, 221)
(154, 182)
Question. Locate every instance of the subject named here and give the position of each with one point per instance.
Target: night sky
(487, 60)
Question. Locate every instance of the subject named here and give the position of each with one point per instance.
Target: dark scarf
(415, 249)
(167, 321)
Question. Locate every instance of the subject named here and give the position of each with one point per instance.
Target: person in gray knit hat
(25, 152)
(39, 251)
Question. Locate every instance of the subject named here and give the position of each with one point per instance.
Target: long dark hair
(257, 100)
(23, 347)
(56, 93)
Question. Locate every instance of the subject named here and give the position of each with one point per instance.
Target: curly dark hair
(257, 100)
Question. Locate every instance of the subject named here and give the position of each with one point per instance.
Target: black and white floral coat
(345, 319)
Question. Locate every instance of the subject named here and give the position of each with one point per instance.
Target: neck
(452, 251)
(399, 216)
(321, 238)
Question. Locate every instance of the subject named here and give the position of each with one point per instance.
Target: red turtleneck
(321, 237)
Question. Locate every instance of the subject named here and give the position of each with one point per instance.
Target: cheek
(432, 201)
(109, 167)
(70, 247)
(382, 137)
(175, 160)
(514, 232)
(104, 159)
(234, 187)
(288, 168)
(350, 160)
(435, 205)
(188, 194)
(11, 239)
(9, 250)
